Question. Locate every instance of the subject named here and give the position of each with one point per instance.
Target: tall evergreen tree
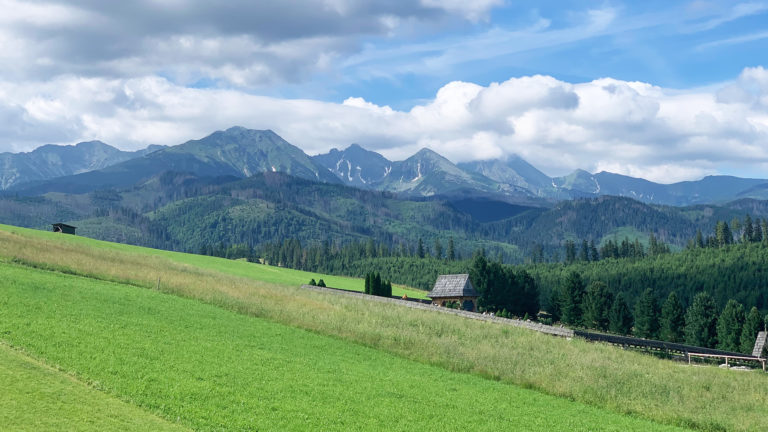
(597, 305)
(529, 295)
(594, 255)
(758, 238)
(730, 325)
(752, 326)
(584, 251)
(368, 283)
(647, 316)
(376, 284)
(619, 317)
(438, 249)
(749, 231)
(420, 249)
(572, 299)
(699, 239)
(451, 249)
(701, 321)
(765, 231)
(555, 300)
(570, 252)
(672, 323)
(723, 234)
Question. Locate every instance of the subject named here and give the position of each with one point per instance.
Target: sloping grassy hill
(36, 397)
(614, 381)
(259, 272)
(210, 369)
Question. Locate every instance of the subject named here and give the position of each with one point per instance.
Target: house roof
(457, 285)
(63, 225)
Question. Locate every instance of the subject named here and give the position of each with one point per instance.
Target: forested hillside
(197, 214)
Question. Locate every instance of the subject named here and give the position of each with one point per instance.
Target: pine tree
(723, 234)
(555, 300)
(749, 230)
(528, 294)
(376, 284)
(312, 282)
(584, 251)
(647, 316)
(571, 301)
(370, 249)
(321, 283)
(653, 245)
(451, 250)
(730, 325)
(368, 283)
(619, 317)
(597, 305)
(438, 249)
(420, 249)
(594, 255)
(570, 252)
(758, 238)
(699, 239)
(752, 326)
(672, 323)
(765, 231)
(701, 321)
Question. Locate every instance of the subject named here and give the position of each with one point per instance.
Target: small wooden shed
(64, 228)
(454, 288)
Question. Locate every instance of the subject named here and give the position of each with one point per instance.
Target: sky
(667, 91)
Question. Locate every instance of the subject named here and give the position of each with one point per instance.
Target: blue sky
(685, 45)
(667, 91)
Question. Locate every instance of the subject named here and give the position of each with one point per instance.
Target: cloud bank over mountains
(630, 128)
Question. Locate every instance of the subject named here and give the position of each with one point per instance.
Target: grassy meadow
(36, 397)
(605, 378)
(207, 368)
(263, 273)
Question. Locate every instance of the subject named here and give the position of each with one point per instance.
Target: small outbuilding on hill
(454, 288)
(64, 228)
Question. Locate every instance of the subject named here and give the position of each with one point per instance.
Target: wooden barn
(64, 228)
(454, 288)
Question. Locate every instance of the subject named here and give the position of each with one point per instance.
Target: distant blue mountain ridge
(242, 152)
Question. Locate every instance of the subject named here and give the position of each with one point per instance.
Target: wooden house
(64, 228)
(454, 288)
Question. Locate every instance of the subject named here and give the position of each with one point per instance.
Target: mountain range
(51, 161)
(251, 187)
(241, 152)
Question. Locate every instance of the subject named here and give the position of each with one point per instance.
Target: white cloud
(239, 43)
(627, 127)
(473, 10)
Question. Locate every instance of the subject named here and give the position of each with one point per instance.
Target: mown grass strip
(213, 369)
(604, 376)
(35, 397)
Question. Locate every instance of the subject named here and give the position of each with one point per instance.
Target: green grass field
(38, 398)
(610, 379)
(264, 273)
(212, 369)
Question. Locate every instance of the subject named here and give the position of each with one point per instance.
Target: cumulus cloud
(632, 128)
(239, 43)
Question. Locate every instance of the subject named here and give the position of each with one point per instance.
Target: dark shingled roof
(457, 285)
